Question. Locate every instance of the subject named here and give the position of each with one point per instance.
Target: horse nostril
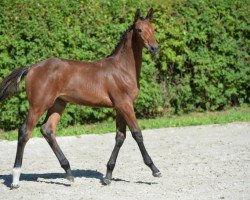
(153, 49)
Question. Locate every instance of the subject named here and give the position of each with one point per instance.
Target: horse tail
(10, 85)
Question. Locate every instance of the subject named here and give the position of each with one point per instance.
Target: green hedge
(203, 63)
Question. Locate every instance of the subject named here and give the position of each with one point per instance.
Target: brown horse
(110, 82)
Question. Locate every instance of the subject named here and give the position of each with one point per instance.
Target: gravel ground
(198, 162)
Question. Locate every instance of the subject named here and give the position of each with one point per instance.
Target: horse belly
(88, 98)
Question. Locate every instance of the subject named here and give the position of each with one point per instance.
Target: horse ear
(137, 15)
(150, 14)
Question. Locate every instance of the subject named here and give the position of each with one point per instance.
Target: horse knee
(137, 136)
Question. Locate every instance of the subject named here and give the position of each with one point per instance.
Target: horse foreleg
(127, 111)
(119, 139)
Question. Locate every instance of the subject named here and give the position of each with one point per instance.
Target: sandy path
(199, 162)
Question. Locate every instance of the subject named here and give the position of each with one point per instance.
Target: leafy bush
(203, 63)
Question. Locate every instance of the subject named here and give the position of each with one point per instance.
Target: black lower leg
(23, 137)
(22, 140)
(48, 134)
(112, 161)
(120, 137)
(147, 160)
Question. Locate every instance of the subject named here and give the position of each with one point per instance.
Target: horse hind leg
(48, 130)
(24, 134)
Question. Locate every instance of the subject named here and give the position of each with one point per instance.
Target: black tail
(10, 85)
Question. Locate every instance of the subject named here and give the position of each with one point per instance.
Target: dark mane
(122, 39)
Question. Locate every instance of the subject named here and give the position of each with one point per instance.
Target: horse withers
(111, 82)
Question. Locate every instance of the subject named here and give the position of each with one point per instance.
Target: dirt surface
(199, 162)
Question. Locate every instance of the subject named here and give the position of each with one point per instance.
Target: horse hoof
(157, 174)
(70, 178)
(14, 186)
(106, 181)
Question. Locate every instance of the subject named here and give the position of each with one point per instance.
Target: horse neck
(130, 54)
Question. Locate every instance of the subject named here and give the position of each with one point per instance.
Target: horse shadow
(52, 178)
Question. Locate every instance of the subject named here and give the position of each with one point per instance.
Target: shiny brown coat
(110, 82)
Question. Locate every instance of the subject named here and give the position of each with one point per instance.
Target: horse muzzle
(153, 49)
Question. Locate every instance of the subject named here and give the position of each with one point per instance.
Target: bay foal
(110, 82)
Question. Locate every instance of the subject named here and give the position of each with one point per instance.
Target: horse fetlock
(65, 164)
(149, 163)
(69, 175)
(111, 166)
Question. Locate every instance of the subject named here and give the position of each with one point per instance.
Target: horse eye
(139, 30)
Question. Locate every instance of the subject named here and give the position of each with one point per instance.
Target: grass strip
(203, 118)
